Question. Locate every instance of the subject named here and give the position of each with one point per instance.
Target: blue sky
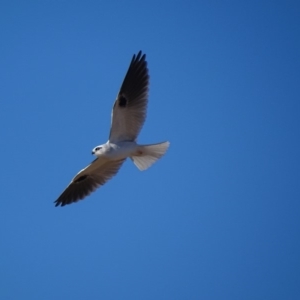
(218, 216)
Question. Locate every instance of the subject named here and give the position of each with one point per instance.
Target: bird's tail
(146, 155)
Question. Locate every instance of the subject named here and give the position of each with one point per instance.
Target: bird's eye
(98, 148)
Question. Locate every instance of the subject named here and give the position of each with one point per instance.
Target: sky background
(218, 216)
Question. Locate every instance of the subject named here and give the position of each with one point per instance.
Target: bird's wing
(88, 180)
(129, 110)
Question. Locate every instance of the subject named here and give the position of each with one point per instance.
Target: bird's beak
(93, 152)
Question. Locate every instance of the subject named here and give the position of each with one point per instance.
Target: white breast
(120, 150)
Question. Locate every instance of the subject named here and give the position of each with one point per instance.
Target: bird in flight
(127, 118)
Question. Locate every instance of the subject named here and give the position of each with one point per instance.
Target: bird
(127, 118)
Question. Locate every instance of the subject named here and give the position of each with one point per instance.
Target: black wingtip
(57, 203)
(138, 57)
(61, 202)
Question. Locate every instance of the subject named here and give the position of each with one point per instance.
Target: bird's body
(128, 116)
(117, 150)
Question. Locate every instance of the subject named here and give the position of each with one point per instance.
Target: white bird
(127, 118)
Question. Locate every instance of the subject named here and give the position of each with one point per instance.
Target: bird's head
(98, 150)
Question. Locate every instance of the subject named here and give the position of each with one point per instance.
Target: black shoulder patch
(81, 178)
(122, 101)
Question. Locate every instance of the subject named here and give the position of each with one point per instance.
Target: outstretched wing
(88, 180)
(129, 110)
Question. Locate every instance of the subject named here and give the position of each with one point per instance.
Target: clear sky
(218, 217)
